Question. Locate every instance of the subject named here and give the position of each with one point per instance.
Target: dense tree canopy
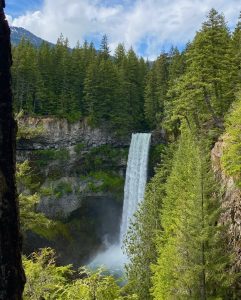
(176, 245)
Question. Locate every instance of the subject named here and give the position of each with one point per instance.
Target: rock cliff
(59, 133)
(79, 172)
(231, 203)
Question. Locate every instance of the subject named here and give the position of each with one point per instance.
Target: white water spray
(135, 183)
(136, 176)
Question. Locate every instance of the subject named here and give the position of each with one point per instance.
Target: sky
(149, 26)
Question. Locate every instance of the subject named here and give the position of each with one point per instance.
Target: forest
(178, 244)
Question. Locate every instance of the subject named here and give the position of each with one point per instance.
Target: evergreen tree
(192, 261)
(236, 50)
(206, 90)
(104, 48)
(120, 55)
(156, 91)
(176, 69)
(133, 90)
(48, 102)
(151, 99)
(100, 89)
(140, 243)
(25, 77)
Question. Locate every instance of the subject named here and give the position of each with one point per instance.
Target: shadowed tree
(11, 271)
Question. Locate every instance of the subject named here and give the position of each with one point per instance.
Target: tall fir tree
(192, 258)
(140, 244)
(206, 90)
(156, 91)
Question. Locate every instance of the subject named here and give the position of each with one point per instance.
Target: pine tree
(176, 69)
(140, 244)
(100, 90)
(206, 90)
(104, 48)
(133, 90)
(152, 107)
(120, 55)
(236, 52)
(25, 77)
(192, 261)
(156, 91)
(48, 103)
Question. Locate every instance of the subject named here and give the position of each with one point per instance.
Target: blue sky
(16, 8)
(149, 26)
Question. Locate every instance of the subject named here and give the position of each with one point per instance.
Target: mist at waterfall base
(113, 258)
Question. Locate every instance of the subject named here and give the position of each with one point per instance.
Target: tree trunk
(11, 272)
(203, 262)
(217, 122)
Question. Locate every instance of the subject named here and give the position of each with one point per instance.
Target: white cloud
(9, 18)
(156, 23)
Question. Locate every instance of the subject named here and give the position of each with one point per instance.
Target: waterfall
(136, 176)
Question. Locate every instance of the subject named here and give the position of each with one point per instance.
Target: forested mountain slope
(18, 33)
(183, 242)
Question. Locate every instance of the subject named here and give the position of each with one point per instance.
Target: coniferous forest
(178, 244)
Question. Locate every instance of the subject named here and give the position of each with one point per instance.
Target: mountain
(17, 33)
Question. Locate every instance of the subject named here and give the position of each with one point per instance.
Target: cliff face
(59, 133)
(70, 159)
(231, 204)
(79, 172)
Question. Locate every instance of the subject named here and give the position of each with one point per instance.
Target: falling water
(136, 176)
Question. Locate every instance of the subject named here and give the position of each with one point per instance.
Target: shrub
(79, 147)
(43, 157)
(62, 188)
(109, 182)
(231, 159)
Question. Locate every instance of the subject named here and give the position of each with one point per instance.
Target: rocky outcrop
(59, 133)
(80, 172)
(63, 154)
(231, 203)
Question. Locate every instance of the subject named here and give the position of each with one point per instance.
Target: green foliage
(73, 116)
(231, 158)
(123, 92)
(102, 158)
(205, 91)
(26, 132)
(44, 278)
(109, 182)
(78, 148)
(156, 91)
(156, 155)
(236, 51)
(55, 173)
(175, 238)
(43, 157)
(79, 83)
(62, 188)
(192, 257)
(57, 190)
(140, 243)
(47, 281)
(29, 218)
